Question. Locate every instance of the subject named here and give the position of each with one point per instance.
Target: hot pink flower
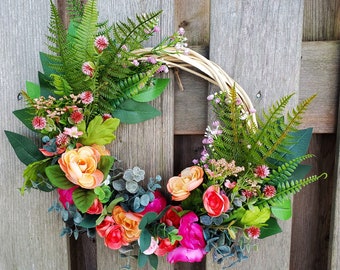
(269, 191)
(192, 245)
(157, 205)
(72, 132)
(253, 232)
(88, 68)
(262, 171)
(86, 97)
(65, 195)
(101, 43)
(215, 202)
(39, 122)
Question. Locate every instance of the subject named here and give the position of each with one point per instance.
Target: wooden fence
(271, 47)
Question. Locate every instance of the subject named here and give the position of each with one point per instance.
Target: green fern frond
(75, 9)
(285, 171)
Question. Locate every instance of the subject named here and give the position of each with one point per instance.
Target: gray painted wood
(258, 43)
(29, 236)
(148, 145)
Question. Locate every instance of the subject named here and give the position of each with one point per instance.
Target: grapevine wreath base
(99, 76)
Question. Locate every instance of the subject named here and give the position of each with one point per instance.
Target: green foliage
(24, 148)
(83, 198)
(271, 228)
(57, 177)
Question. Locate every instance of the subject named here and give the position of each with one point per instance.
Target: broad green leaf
(33, 90)
(47, 61)
(114, 203)
(298, 143)
(300, 172)
(148, 218)
(153, 91)
(46, 88)
(89, 221)
(282, 210)
(153, 260)
(24, 148)
(142, 259)
(99, 131)
(83, 198)
(35, 176)
(132, 112)
(57, 177)
(255, 216)
(105, 164)
(144, 240)
(25, 116)
(271, 228)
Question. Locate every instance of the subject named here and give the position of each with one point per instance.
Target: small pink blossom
(252, 110)
(76, 117)
(156, 29)
(101, 43)
(72, 132)
(86, 97)
(253, 232)
(88, 68)
(262, 171)
(269, 191)
(62, 140)
(247, 193)
(210, 97)
(229, 184)
(163, 68)
(181, 31)
(135, 62)
(106, 116)
(152, 60)
(39, 122)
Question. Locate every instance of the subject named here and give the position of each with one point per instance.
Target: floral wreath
(98, 76)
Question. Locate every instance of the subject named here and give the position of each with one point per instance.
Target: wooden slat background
(259, 43)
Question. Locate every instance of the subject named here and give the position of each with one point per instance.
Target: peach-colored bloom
(80, 167)
(189, 179)
(129, 221)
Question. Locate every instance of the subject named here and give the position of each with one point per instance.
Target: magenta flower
(39, 122)
(62, 140)
(88, 68)
(192, 245)
(86, 97)
(157, 205)
(65, 196)
(101, 43)
(262, 171)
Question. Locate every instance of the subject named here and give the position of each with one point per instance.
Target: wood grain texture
(29, 236)
(320, 74)
(258, 43)
(321, 20)
(148, 145)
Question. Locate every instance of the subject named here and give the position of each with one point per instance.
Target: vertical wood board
(29, 235)
(148, 145)
(258, 43)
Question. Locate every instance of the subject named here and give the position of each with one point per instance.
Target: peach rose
(189, 179)
(129, 221)
(80, 167)
(215, 202)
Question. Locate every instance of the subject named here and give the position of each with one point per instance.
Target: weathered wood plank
(311, 211)
(258, 43)
(319, 74)
(148, 145)
(29, 235)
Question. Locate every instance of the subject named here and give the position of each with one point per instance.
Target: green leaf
(99, 131)
(300, 172)
(132, 112)
(61, 85)
(144, 240)
(33, 90)
(57, 177)
(148, 218)
(83, 198)
(35, 176)
(25, 116)
(89, 221)
(153, 91)
(271, 228)
(153, 259)
(114, 203)
(24, 148)
(282, 210)
(255, 216)
(105, 164)
(45, 86)
(142, 259)
(47, 61)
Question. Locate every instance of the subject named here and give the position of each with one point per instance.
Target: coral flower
(189, 179)
(80, 167)
(215, 202)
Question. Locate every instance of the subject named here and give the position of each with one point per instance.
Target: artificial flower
(215, 201)
(39, 122)
(65, 196)
(96, 208)
(88, 69)
(171, 217)
(157, 205)
(165, 246)
(80, 167)
(101, 43)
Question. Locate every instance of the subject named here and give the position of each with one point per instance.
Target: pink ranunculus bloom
(86, 97)
(262, 171)
(104, 226)
(192, 245)
(65, 196)
(96, 208)
(157, 205)
(101, 43)
(114, 238)
(88, 68)
(215, 201)
(39, 122)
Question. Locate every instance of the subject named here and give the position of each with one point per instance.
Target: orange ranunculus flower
(129, 221)
(215, 202)
(80, 167)
(189, 179)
